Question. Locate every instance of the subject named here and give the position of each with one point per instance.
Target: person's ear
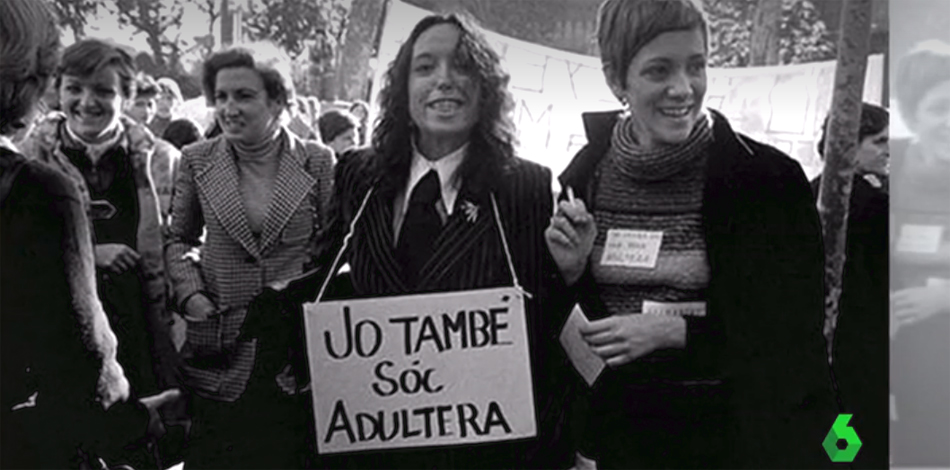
(616, 86)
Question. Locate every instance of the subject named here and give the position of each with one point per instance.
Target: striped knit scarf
(661, 163)
(659, 190)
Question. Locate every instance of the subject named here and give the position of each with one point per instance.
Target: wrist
(572, 276)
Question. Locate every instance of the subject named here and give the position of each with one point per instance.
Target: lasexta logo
(841, 431)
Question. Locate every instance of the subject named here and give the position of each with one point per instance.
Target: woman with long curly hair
(442, 149)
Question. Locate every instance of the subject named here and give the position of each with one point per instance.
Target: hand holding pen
(570, 237)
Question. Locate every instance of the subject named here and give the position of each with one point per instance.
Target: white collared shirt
(446, 167)
(96, 151)
(8, 144)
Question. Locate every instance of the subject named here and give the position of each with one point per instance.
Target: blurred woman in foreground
(59, 364)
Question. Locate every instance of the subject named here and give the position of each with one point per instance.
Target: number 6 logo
(840, 430)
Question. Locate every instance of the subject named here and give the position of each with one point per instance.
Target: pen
(570, 195)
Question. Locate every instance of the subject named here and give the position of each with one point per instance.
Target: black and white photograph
(474, 234)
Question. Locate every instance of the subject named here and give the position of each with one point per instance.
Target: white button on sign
(632, 248)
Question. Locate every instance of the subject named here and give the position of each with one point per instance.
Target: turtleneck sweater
(655, 190)
(257, 166)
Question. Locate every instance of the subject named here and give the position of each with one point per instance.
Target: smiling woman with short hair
(258, 192)
(107, 155)
(696, 253)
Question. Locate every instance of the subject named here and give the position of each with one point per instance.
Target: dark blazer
(55, 337)
(763, 330)
(468, 255)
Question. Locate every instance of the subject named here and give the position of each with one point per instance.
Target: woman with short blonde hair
(696, 254)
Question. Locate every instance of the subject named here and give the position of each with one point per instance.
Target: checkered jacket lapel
(292, 185)
(219, 183)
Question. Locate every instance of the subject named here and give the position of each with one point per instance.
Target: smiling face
(664, 87)
(92, 104)
(931, 120)
(443, 98)
(242, 107)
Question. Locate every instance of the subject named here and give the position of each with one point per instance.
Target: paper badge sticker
(692, 309)
(919, 238)
(632, 248)
(937, 282)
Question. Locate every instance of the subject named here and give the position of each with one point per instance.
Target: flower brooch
(471, 211)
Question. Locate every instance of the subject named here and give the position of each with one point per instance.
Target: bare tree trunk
(362, 27)
(840, 150)
(227, 25)
(765, 31)
(328, 87)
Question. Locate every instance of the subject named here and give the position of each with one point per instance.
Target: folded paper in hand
(588, 364)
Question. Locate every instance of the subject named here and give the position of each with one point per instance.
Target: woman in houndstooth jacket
(257, 192)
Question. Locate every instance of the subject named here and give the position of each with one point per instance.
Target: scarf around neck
(94, 151)
(660, 163)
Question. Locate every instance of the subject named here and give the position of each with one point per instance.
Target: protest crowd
(275, 287)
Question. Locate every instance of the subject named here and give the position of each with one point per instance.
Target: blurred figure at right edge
(920, 261)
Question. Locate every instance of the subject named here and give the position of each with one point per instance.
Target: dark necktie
(420, 228)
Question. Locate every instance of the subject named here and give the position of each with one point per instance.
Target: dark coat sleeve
(776, 354)
(284, 301)
(527, 207)
(70, 237)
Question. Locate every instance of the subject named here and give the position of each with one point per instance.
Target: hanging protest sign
(420, 370)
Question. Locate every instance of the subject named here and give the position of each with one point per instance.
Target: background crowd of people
(154, 271)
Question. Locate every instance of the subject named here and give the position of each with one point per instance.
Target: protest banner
(779, 105)
(420, 370)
